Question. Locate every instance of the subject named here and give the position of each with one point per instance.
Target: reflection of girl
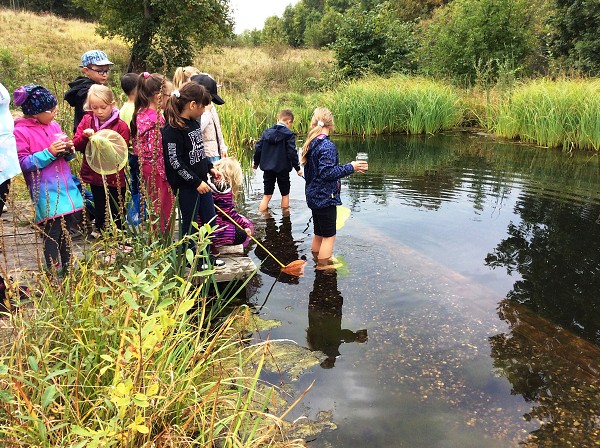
(9, 162)
(44, 153)
(224, 192)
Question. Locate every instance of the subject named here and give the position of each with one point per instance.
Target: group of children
(177, 156)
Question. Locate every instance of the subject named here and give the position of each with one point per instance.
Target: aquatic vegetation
(553, 113)
(394, 105)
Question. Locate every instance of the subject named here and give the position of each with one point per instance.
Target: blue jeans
(194, 206)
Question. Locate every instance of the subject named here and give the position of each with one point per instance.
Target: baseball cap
(210, 84)
(94, 57)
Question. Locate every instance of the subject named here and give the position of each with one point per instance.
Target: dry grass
(254, 70)
(45, 39)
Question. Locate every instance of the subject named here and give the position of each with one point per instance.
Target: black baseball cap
(211, 85)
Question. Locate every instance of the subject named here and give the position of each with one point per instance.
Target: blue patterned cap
(34, 99)
(94, 57)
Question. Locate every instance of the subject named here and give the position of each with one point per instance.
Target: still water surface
(466, 313)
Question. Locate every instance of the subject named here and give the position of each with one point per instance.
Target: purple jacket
(49, 179)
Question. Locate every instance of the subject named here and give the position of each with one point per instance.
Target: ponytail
(322, 118)
(176, 103)
(147, 86)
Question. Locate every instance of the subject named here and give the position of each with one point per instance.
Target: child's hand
(88, 132)
(360, 167)
(58, 148)
(300, 173)
(203, 188)
(248, 231)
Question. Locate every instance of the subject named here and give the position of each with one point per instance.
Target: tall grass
(553, 113)
(132, 354)
(396, 105)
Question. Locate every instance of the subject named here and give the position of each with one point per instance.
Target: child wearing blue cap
(95, 66)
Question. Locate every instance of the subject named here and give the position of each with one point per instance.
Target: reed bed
(553, 114)
(376, 106)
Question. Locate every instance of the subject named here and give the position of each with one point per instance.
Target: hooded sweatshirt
(276, 150)
(224, 234)
(80, 141)
(76, 96)
(49, 178)
(147, 145)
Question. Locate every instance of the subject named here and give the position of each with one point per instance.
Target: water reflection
(433, 221)
(280, 242)
(556, 372)
(325, 332)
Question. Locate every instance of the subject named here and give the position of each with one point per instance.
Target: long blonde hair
(183, 74)
(322, 118)
(231, 170)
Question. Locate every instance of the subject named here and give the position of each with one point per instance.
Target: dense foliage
(575, 38)
(162, 33)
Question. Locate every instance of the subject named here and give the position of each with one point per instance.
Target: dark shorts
(283, 182)
(324, 221)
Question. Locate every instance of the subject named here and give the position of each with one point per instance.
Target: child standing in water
(153, 90)
(44, 152)
(323, 173)
(186, 165)
(276, 155)
(102, 114)
(224, 194)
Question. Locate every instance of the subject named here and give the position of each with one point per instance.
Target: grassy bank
(127, 353)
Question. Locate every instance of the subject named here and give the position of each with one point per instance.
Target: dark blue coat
(276, 150)
(323, 173)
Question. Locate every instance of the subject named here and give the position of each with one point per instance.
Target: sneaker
(213, 262)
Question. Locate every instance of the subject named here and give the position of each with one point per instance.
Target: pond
(466, 309)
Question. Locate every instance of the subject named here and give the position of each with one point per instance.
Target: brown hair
(322, 118)
(147, 86)
(189, 92)
(286, 114)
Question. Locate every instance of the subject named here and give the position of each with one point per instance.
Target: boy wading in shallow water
(323, 173)
(276, 155)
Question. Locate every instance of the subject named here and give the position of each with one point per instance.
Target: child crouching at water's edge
(232, 227)
(186, 165)
(101, 113)
(323, 173)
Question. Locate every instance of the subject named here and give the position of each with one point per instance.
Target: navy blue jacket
(323, 173)
(276, 150)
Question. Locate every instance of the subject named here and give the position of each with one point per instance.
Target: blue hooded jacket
(323, 173)
(276, 150)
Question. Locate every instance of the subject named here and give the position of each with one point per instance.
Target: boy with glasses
(96, 67)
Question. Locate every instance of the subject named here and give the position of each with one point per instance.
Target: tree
(273, 32)
(575, 37)
(162, 33)
(374, 41)
(467, 34)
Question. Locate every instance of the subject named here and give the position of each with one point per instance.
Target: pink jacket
(80, 142)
